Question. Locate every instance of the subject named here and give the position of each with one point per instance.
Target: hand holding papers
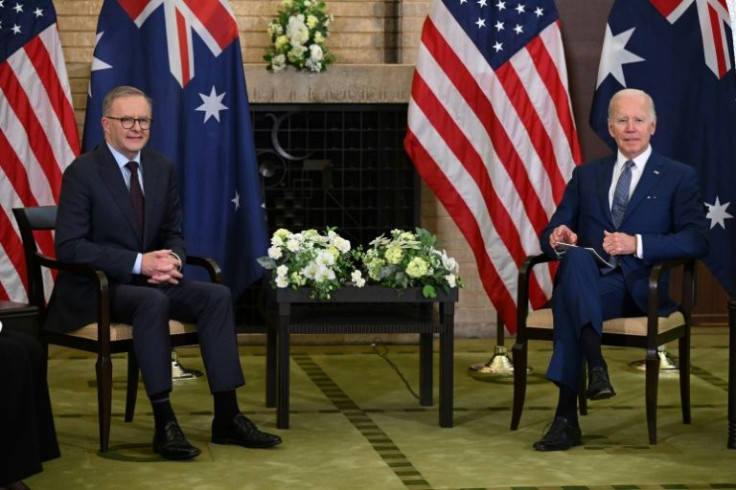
(561, 248)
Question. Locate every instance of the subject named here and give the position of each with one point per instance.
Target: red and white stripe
(496, 147)
(38, 139)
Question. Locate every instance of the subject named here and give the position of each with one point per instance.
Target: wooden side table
(20, 317)
(368, 310)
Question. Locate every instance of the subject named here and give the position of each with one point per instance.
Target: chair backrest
(39, 218)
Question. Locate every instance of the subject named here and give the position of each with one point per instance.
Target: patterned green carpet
(356, 424)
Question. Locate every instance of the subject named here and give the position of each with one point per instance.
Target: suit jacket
(96, 226)
(665, 209)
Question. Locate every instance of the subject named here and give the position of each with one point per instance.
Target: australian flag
(186, 56)
(679, 51)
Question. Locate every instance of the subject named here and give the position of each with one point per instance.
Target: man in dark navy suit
(636, 207)
(119, 211)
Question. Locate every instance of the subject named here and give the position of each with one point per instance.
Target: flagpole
(731, 442)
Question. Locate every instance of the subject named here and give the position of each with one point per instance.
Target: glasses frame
(138, 120)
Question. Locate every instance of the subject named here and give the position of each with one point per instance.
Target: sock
(590, 344)
(226, 406)
(567, 405)
(163, 413)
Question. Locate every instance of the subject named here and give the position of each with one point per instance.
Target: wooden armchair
(103, 337)
(646, 332)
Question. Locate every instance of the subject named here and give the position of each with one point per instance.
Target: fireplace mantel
(339, 84)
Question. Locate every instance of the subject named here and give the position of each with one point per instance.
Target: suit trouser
(208, 305)
(582, 296)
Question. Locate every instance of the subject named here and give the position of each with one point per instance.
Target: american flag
(38, 132)
(679, 52)
(186, 55)
(491, 131)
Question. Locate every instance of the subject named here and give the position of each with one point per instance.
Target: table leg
(271, 367)
(447, 347)
(282, 373)
(425, 369)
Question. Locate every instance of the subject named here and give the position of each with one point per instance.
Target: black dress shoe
(599, 385)
(171, 443)
(560, 436)
(242, 432)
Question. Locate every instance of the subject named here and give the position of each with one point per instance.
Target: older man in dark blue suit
(636, 207)
(119, 212)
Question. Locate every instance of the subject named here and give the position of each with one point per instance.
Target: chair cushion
(626, 326)
(124, 331)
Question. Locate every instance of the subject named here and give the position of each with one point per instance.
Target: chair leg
(652, 381)
(519, 357)
(132, 388)
(684, 353)
(103, 368)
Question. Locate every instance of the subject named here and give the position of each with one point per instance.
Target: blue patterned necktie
(621, 195)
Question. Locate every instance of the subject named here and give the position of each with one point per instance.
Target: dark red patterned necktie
(136, 194)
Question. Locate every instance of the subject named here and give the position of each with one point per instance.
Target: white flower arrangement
(322, 262)
(326, 263)
(410, 259)
(298, 37)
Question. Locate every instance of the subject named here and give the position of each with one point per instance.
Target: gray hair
(122, 91)
(633, 92)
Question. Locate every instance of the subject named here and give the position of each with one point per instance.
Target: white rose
(278, 62)
(292, 245)
(315, 52)
(451, 280)
(282, 282)
(275, 252)
(296, 30)
(282, 270)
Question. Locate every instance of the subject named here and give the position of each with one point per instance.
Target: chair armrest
(101, 285)
(522, 292)
(210, 265)
(687, 300)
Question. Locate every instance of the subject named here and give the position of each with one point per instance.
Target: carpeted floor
(356, 424)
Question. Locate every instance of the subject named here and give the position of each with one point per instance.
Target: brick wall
(364, 33)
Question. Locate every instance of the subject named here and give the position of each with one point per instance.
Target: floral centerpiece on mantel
(326, 262)
(298, 37)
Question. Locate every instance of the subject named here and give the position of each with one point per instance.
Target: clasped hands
(614, 243)
(161, 267)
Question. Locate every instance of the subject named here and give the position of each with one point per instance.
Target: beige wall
(364, 33)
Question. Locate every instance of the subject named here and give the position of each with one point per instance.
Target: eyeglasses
(129, 122)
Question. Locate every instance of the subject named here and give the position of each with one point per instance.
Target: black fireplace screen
(342, 166)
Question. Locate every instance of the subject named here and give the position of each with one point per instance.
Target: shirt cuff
(137, 265)
(639, 247)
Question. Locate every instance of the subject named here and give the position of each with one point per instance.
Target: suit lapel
(604, 178)
(113, 180)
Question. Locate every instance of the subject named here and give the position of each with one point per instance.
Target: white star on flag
(212, 105)
(717, 213)
(97, 64)
(615, 55)
(236, 200)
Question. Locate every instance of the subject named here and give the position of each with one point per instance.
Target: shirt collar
(122, 159)
(639, 162)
